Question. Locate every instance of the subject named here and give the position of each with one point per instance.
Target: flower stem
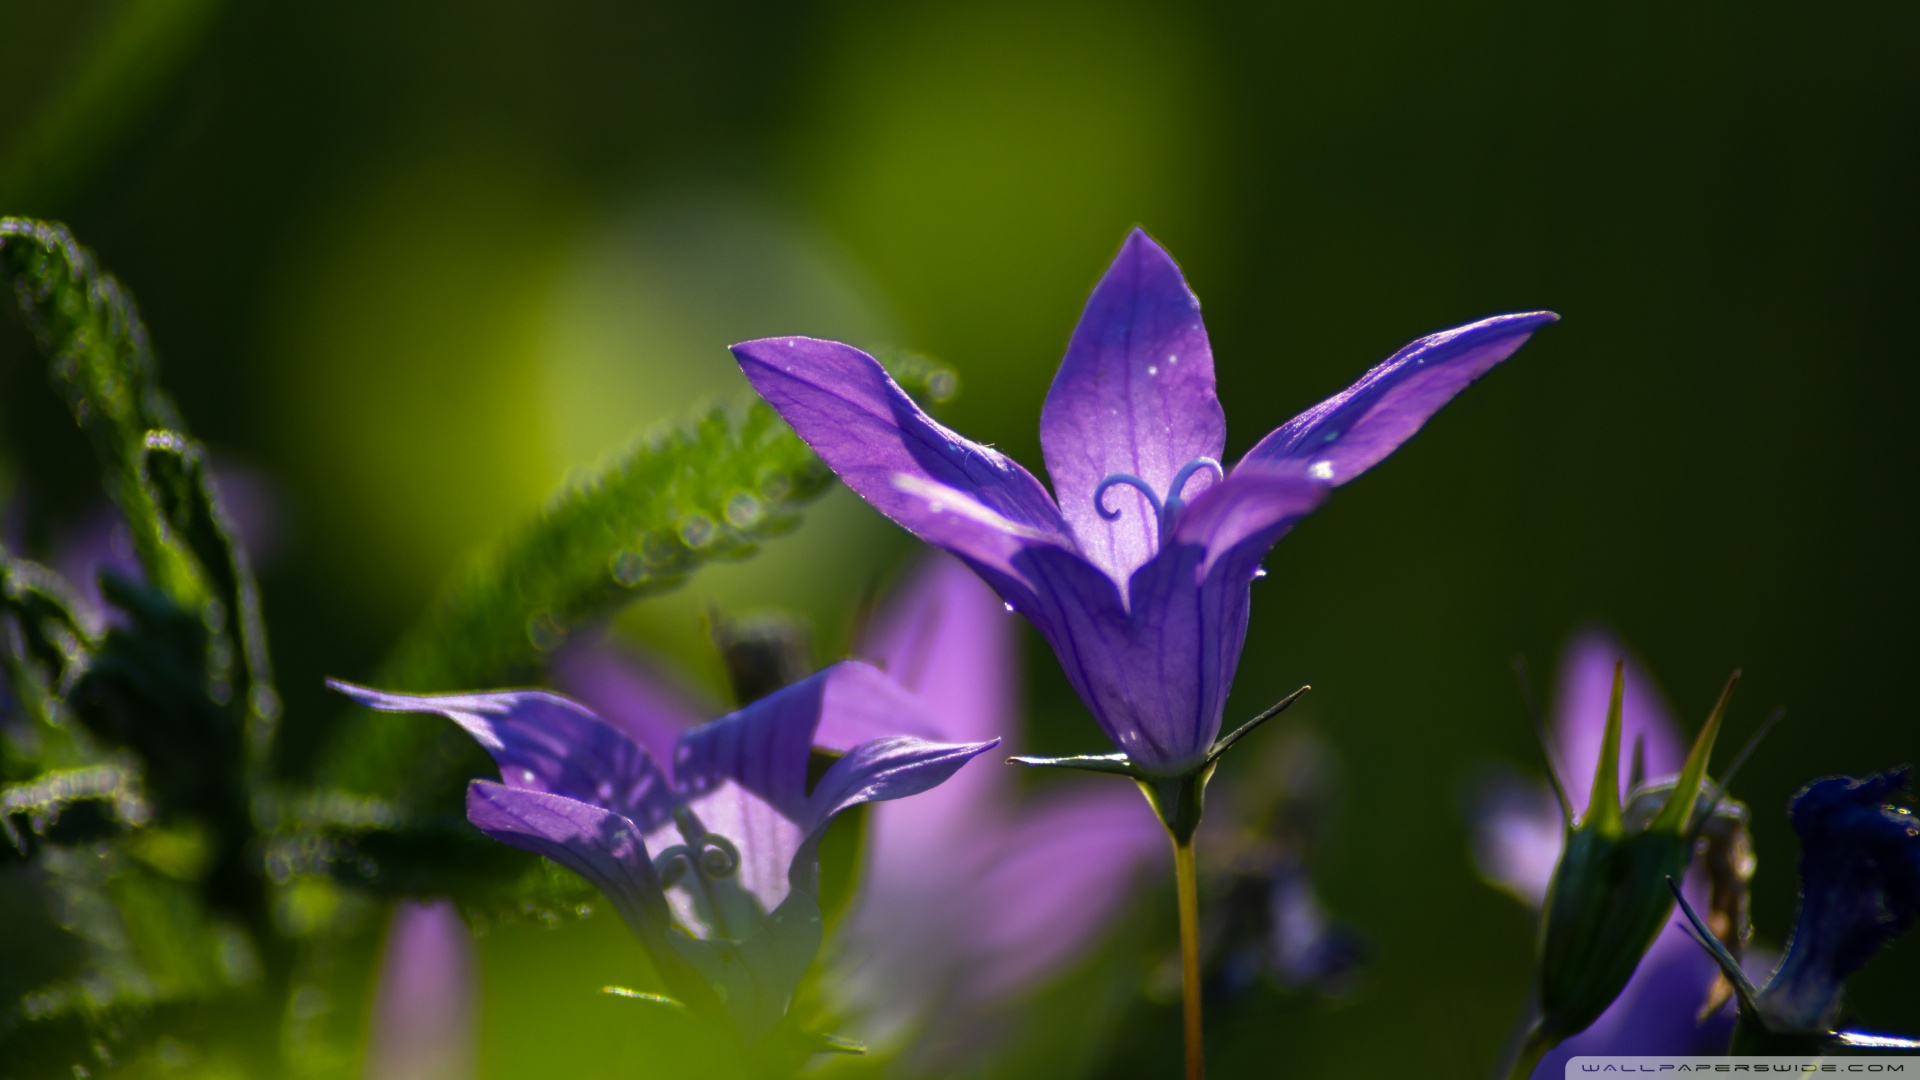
(1189, 955)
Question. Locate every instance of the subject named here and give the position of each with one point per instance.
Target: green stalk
(1189, 955)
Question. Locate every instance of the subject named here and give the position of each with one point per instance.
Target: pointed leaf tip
(1603, 806)
(1677, 813)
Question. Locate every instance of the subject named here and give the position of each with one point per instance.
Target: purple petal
(1155, 670)
(1240, 519)
(1580, 716)
(883, 769)
(946, 637)
(764, 747)
(948, 935)
(602, 846)
(767, 841)
(846, 406)
(1859, 890)
(1062, 874)
(1349, 433)
(543, 742)
(621, 689)
(424, 1012)
(1134, 395)
(1517, 837)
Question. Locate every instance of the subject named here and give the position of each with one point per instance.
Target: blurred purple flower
(1518, 832)
(424, 1012)
(1138, 577)
(971, 895)
(967, 897)
(726, 847)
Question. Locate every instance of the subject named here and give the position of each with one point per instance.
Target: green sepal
(644, 997)
(1179, 800)
(1115, 764)
(1677, 815)
(1225, 743)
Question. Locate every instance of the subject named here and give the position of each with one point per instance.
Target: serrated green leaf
(711, 489)
(103, 365)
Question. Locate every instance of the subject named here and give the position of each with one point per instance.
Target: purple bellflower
(1138, 574)
(714, 864)
(1520, 833)
(1859, 889)
(970, 895)
(424, 1012)
(967, 896)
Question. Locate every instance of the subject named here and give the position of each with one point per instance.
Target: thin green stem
(1190, 955)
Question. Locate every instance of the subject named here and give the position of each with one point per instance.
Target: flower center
(1165, 511)
(707, 854)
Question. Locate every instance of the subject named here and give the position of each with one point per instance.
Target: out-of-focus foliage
(138, 804)
(141, 747)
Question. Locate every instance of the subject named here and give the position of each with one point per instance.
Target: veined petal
(598, 844)
(1349, 433)
(1247, 513)
(764, 747)
(1158, 671)
(845, 405)
(949, 518)
(1134, 395)
(1580, 716)
(876, 771)
(544, 742)
(766, 840)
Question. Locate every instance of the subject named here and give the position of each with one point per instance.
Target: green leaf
(101, 362)
(711, 489)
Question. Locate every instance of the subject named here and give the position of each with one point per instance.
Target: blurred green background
(418, 261)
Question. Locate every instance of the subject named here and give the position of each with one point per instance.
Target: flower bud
(1609, 896)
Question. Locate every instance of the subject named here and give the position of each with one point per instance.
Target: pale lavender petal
(767, 841)
(1349, 433)
(621, 689)
(599, 845)
(1518, 833)
(764, 747)
(1063, 872)
(1134, 395)
(1580, 717)
(543, 742)
(425, 1012)
(846, 406)
(946, 637)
